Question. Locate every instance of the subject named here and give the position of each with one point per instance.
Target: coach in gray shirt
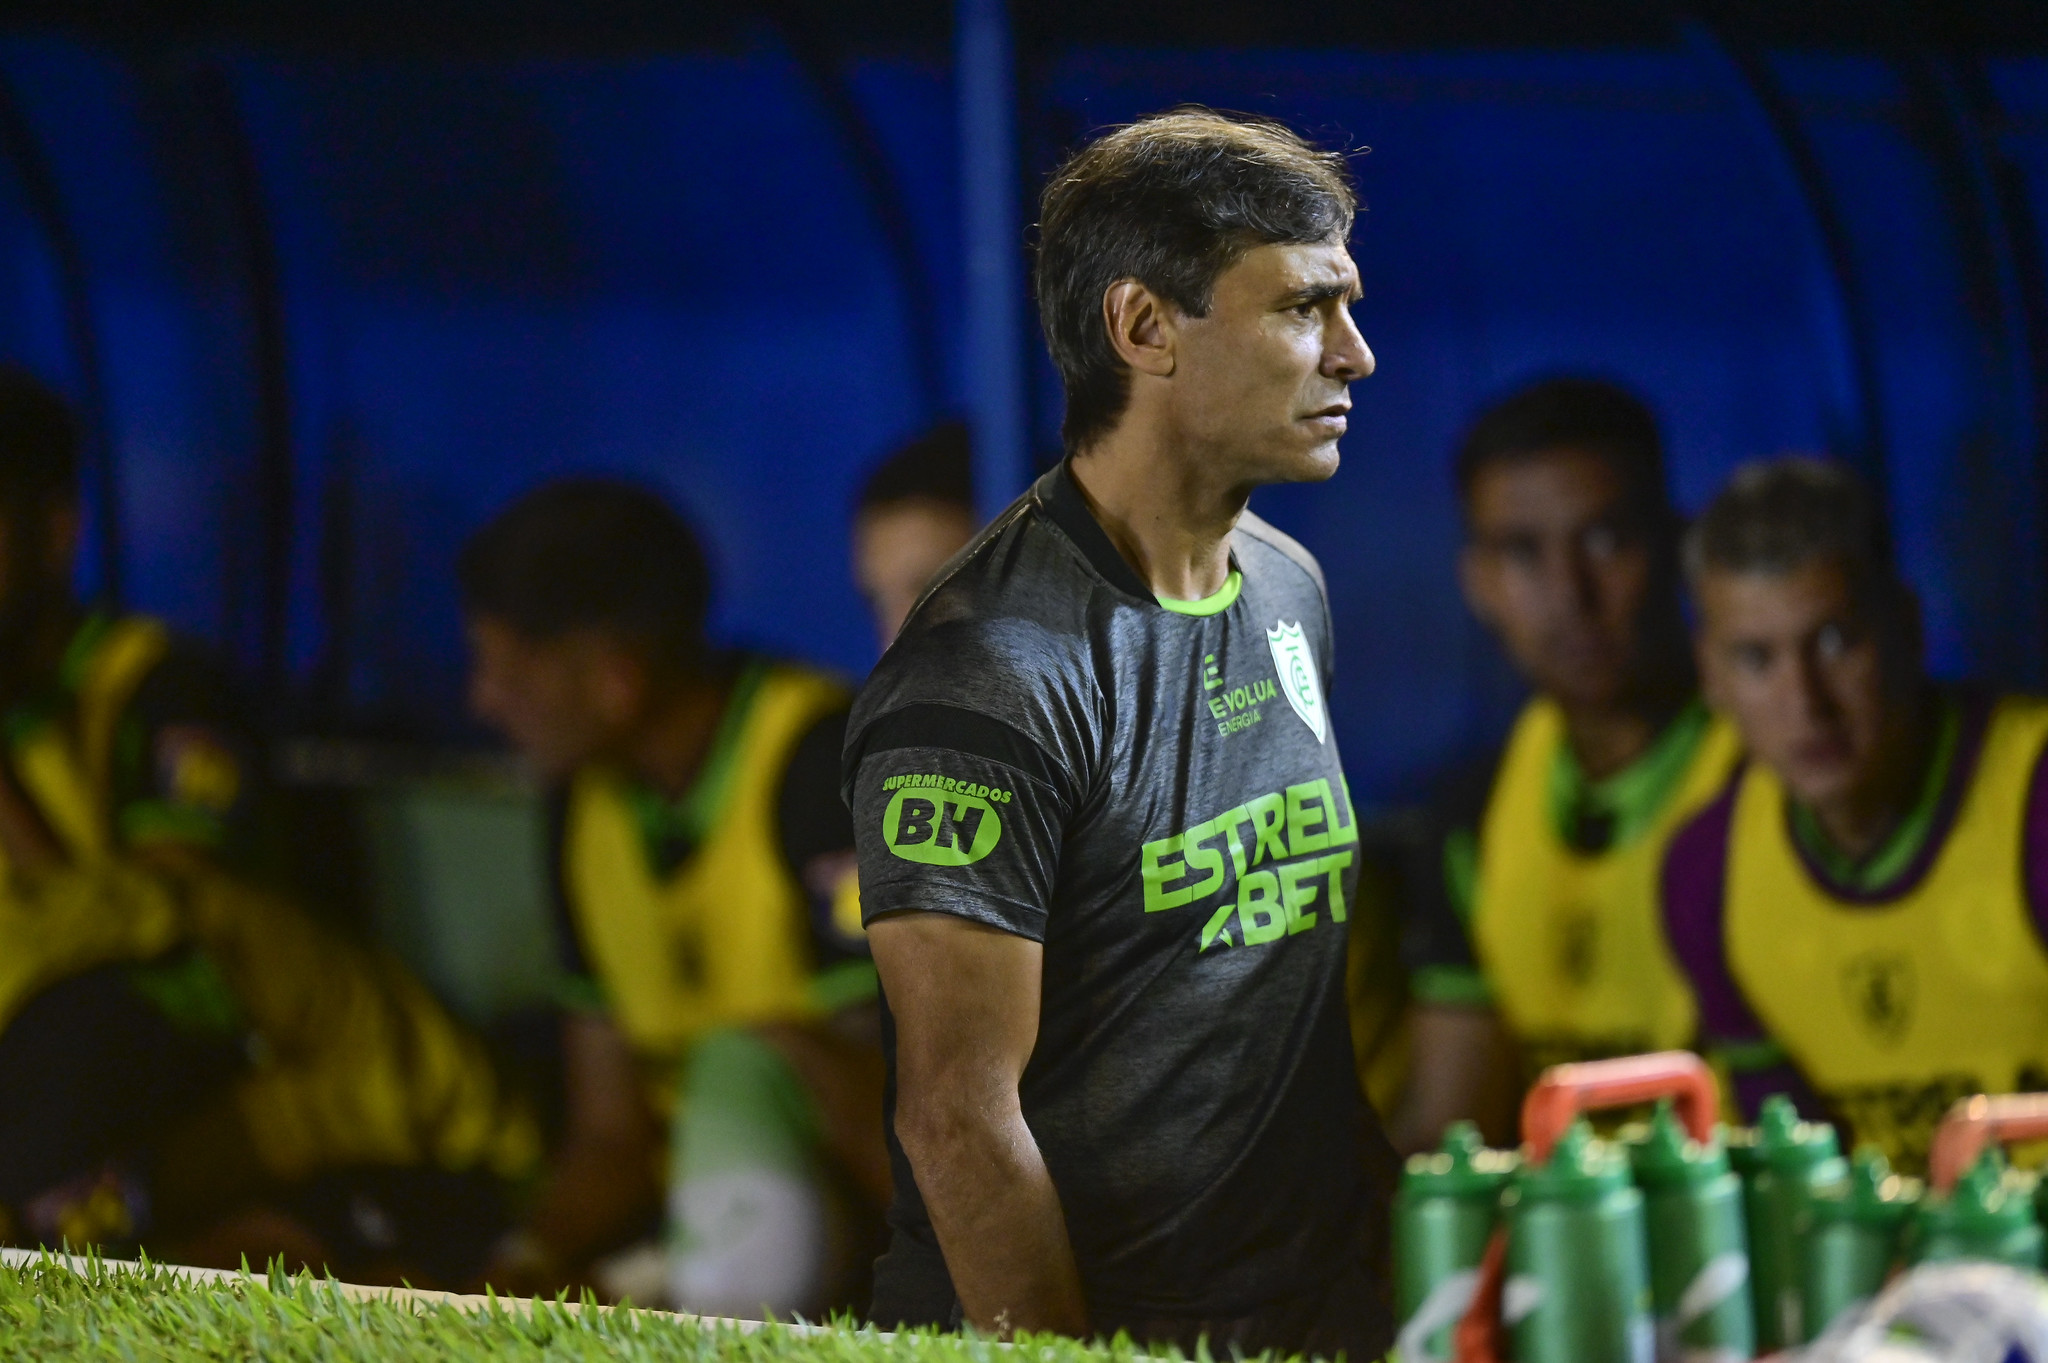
(1106, 848)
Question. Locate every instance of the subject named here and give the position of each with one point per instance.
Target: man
(177, 1044)
(1106, 850)
(1534, 935)
(1862, 911)
(723, 994)
(915, 511)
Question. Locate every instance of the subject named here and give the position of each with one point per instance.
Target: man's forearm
(1000, 1226)
(595, 1191)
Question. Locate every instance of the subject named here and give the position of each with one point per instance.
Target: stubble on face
(538, 694)
(1559, 566)
(1800, 668)
(1261, 383)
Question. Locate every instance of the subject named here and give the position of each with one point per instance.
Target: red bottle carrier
(1560, 1097)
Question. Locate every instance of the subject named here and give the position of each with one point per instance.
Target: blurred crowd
(1734, 815)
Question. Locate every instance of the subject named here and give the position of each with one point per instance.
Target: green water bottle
(1577, 1287)
(1989, 1216)
(1857, 1230)
(1447, 1207)
(1698, 1243)
(1791, 1164)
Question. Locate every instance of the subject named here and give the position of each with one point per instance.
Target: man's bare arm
(1464, 1066)
(604, 1177)
(965, 999)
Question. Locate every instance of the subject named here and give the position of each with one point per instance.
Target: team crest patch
(1882, 991)
(1297, 672)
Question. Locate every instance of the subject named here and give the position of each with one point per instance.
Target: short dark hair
(1577, 413)
(1778, 515)
(592, 553)
(1171, 201)
(937, 466)
(38, 443)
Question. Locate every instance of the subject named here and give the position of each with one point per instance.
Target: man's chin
(1816, 786)
(1314, 465)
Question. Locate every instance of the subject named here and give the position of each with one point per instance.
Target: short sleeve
(956, 812)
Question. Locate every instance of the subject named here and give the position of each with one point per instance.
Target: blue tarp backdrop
(326, 313)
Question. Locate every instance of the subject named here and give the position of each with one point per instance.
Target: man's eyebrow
(1341, 290)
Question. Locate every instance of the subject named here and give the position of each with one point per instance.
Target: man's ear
(618, 682)
(1907, 644)
(1142, 327)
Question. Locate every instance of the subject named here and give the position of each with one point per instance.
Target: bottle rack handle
(1552, 1106)
(1565, 1091)
(1974, 1123)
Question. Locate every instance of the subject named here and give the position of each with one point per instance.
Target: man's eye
(1752, 657)
(1832, 640)
(1518, 553)
(1601, 541)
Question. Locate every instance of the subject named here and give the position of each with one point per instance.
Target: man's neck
(1170, 524)
(668, 748)
(1857, 822)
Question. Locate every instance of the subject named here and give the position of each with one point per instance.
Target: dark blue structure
(329, 296)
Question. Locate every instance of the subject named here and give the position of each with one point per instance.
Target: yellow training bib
(1895, 1006)
(725, 938)
(66, 765)
(1570, 941)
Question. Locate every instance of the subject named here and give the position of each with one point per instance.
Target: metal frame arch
(1745, 68)
(800, 37)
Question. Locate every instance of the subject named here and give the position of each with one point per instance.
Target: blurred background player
(724, 995)
(1862, 912)
(1533, 934)
(914, 512)
(185, 1057)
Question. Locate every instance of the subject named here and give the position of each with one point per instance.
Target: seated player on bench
(186, 1059)
(724, 994)
(1862, 911)
(1533, 934)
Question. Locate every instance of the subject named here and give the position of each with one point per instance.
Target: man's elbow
(940, 1127)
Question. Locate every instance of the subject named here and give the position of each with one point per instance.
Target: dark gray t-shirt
(1157, 798)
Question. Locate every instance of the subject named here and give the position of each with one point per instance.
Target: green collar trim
(689, 818)
(1898, 852)
(1598, 816)
(1215, 603)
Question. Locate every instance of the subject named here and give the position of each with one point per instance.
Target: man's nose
(1346, 356)
(1580, 583)
(1816, 701)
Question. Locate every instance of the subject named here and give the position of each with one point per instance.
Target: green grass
(50, 1313)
